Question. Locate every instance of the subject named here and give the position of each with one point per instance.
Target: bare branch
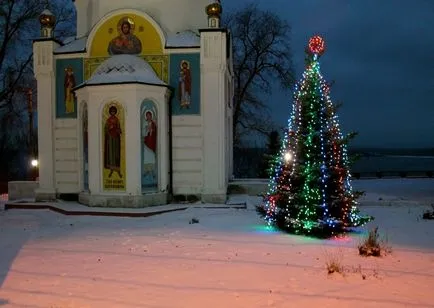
(19, 26)
(262, 56)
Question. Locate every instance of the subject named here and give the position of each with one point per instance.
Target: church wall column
(44, 69)
(164, 178)
(230, 145)
(132, 134)
(95, 143)
(83, 10)
(213, 67)
(230, 127)
(82, 99)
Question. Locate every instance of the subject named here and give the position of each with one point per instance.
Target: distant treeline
(249, 161)
(392, 151)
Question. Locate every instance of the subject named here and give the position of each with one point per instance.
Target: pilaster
(44, 68)
(164, 180)
(133, 143)
(83, 10)
(95, 141)
(213, 98)
(230, 115)
(83, 99)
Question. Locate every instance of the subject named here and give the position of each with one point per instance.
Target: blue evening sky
(380, 54)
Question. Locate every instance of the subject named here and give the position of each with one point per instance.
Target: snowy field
(228, 259)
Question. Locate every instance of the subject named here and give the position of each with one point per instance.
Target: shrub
(334, 263)
(373, 245)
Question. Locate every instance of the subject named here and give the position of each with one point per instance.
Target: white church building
(138, 106)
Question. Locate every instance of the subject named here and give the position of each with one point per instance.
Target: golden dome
(214, 9)
(47, 19)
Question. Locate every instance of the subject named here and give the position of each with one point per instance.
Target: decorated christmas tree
(311, 192)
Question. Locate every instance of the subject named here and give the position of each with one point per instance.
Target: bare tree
(19, 26)
(262, 59)
(17, 18)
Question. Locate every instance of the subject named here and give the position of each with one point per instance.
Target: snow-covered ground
(228, 259)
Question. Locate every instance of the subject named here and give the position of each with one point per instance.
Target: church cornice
(48, 40)
(222, 30)
(84, 85)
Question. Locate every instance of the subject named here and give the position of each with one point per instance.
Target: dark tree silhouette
(262, 57)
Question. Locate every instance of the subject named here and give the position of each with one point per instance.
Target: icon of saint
(69, 84)
(112, 143)
(149, 144)
(184, 85)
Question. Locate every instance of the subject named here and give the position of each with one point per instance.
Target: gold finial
(47, 19)
(214, 9)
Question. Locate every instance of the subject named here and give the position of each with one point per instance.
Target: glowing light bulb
(288, 157)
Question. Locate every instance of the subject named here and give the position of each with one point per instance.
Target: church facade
(137, 107)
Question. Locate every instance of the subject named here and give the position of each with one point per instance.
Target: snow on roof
(124, 69)
(71, 46)
(183, 39)
(179, 39)
(46, 12)
(68, 40)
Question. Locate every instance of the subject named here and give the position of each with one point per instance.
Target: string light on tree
(316, 45)
(288, 157)
(311, 190)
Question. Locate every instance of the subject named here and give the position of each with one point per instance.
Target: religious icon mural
(149, 146)
(69, 84)
(127, 34)
(85, 147)
(69, 74)
(184, 78)
(184, 85)
(113, 147)
(126, 42)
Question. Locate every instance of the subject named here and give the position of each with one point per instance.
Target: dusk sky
(380, 53)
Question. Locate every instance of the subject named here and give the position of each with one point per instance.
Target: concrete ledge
(76, 209)
(251, 187)
(22, 189)
(123, 201)
(214, 198)
(86, 211)
(42, 195)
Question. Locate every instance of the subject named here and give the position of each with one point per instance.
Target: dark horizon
(352, 148)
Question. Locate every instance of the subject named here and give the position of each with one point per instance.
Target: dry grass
(374, 245)
(334, 261)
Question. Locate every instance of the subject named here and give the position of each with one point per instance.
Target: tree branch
(261, 54)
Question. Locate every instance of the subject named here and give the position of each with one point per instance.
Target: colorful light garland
(316, 45)
(311, 191)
